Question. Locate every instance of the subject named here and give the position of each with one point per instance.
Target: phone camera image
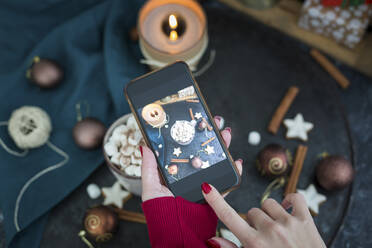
(181, 134)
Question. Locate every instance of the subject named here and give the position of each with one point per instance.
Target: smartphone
(178, 127)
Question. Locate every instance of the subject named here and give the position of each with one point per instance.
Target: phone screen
(181, 134)
(179, 128)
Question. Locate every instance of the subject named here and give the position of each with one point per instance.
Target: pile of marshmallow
(123, 147)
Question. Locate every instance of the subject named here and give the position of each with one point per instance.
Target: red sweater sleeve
(176, 222)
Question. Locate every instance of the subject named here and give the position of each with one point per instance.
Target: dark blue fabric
(90, 40)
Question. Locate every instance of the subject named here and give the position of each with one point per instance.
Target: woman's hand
(269, 227)
(152, 186)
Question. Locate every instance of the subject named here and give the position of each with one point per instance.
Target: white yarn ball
(29, 127)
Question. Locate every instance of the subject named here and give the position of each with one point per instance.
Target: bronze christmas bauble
(334, 172)
(272, 161)
(173, 169)
(196, 162)
(202, 125)
(100, 223)
(46, 73)
(88, 133)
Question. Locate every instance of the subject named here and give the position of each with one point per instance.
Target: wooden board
(284, 17)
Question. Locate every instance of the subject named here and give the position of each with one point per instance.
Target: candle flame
(173, 35)
(173, 21)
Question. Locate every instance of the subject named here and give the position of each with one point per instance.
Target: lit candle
(171, 30)
(173, 36)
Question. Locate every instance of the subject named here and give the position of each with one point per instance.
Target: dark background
(254, 66)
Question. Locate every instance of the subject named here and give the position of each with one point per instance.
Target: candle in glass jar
(171, 30)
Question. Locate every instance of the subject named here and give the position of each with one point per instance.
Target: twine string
(79, 115)
(7, 149)
(84, 239)
(274, 185)
(37, 176)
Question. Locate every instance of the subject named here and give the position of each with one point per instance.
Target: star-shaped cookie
(297, 127)
(205, 164)
(313, 198)
(198, 115)
(177, 151)
(209, 149)
(115, 195)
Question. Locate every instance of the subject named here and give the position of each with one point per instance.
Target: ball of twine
(29, 127)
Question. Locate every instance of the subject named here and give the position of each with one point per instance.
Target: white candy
(110, 148)
(121, 129)
(137, 171)
(135, 138)
(116, 158)
(124, 161)
(132, 124)
(123, 140)
(127, 150)
(254, 138)
(118, 138)
(130, 170)
(134, 160)
(93, 191)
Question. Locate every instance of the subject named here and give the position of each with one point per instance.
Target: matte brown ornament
(272, 161)
(46, 73)
(88, 133)
(196, 162)
(100, 223)
(334, 172)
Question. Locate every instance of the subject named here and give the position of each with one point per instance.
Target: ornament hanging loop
(82, 234)
(274, 185)
(6, 148)
(79, 115)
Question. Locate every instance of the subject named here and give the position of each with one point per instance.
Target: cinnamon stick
(282, 109)
(131, 216)
(206, 142)
(210, 128)
(243, 216)
(192, 100)
(296, 170)
(191, 114)
(330, 68)
(179, 160)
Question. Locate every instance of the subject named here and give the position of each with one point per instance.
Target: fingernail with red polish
(211, 243)
(206, 188)
(228, 129)
(218, 117)
(141, 151)
(240, 160)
